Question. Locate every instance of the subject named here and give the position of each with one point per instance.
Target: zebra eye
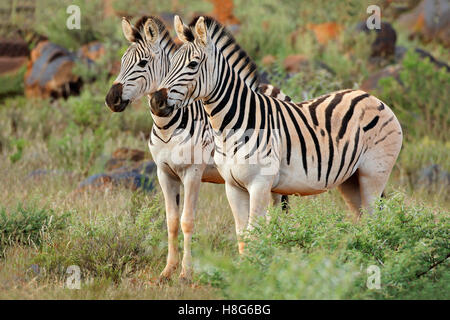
(192, 64)
(142, 63)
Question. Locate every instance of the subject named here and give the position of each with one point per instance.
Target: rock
(223, 12)
(11, 65)
(384, 43)
(371, 83)
(268, 60)
(123, 156)
(140, 177)
(49, 72)
(430, 20)
(127, 168)
(434, 175)
(13, 55)
(294, 63)
(92, 51)
(325, 32)
(129, 154)
(13, 48)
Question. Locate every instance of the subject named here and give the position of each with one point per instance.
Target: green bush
(77, 149)
(12, 84)
(51, 18)
(420, 99)
(28, 225)
(312, 253)
(109, 247)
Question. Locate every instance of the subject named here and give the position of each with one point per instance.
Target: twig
(433, 266)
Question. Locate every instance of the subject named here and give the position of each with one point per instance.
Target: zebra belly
(176, 155)
(296, 184)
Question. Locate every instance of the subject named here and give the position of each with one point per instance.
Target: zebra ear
(151, 31)
(127, 29)
(179, 28)
(200, 30)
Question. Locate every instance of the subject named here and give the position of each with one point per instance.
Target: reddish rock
(223, 11)
(125, 156)
(295, 63)
(92, 51)
(129, 168)
(430, 20)
(49, 72)
(13, 55)
(325, 32)
(371, 83)
(384, 44)
(11, 64)
(129, 154)
(268, 60)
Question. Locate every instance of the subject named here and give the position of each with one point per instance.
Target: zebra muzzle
(158, 103)
(114, 98)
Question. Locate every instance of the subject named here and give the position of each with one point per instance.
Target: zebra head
(190, 65)
(143, 64)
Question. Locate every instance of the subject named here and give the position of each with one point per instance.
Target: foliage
(312, 253)
(51, 19)
(109, 247)
(28, 225)
(420, 98)
(12, 83)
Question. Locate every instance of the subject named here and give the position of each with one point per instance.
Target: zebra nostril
(114, 96)
(158, 103)
(159, 98)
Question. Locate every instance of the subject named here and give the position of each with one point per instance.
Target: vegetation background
(117, 236)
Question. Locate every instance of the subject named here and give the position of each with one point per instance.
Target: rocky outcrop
(129, 168)
(429, 20)
(49, 72)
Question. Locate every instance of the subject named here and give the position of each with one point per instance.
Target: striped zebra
(346, 139)
(181, 141)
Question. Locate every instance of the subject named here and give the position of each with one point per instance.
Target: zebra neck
(227, 105)
(166, 126)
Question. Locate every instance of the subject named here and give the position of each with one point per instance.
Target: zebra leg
(372, 184)
(239, 202)
(350, 191)
(260, 197)
(171, 191)
(276, 199)
(191, 184)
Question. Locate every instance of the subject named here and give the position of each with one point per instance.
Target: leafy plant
(28, 225)
(420, 98)
(312, 253)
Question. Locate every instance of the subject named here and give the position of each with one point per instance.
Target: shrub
(420, 99)
(312, 253)
(109, 247)
(51, 19)
(28, 225)
(12, 84)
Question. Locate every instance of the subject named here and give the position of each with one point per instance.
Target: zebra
(184, 132)
(347, 139)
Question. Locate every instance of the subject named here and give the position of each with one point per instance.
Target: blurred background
(63, 150)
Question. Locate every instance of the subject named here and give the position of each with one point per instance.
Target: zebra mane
(224, 39)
